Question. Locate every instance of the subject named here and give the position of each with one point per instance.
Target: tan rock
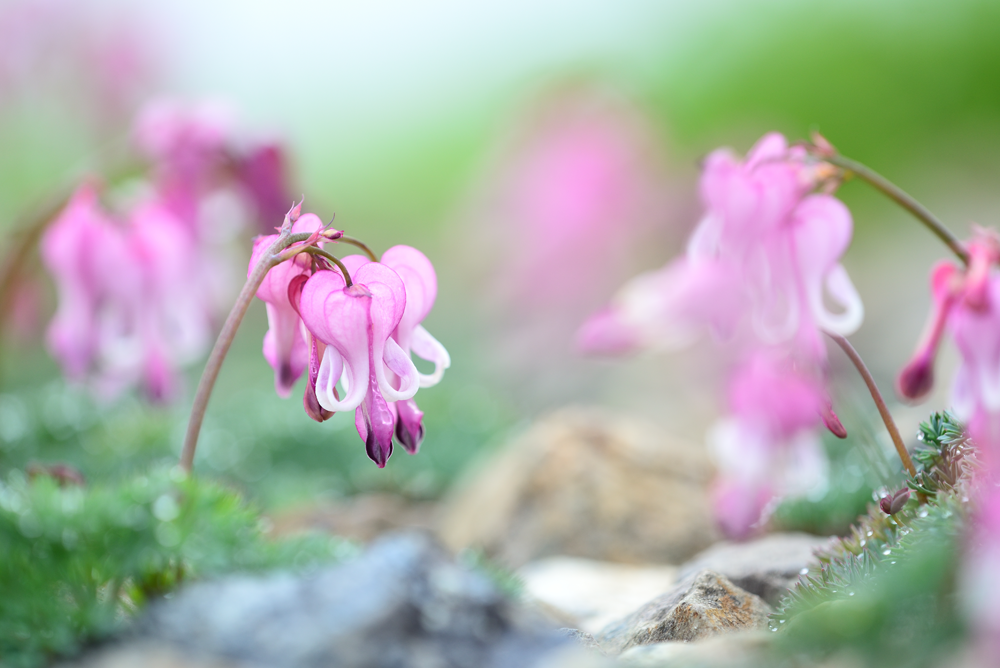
(363, 517)
(733, 650)
(705, 606)
(584, 482)
(594, 592)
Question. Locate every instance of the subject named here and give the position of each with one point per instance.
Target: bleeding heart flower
(285, 347)
(356, 323)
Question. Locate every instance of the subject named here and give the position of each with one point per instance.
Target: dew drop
(886, 552)
(869, 534)
(863, 542)
(804, 571)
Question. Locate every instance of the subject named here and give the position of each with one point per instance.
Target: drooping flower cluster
(358, 330)
(140, 287)
(966, 303)
(757, 271)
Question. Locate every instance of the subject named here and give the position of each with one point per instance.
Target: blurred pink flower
(131, 303)
(197, 149)
(980, 577)
(768, 446)
(763, 256)
(582, 173)
(967, 303)
(756, 273)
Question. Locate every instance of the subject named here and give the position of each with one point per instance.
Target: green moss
(79, 562)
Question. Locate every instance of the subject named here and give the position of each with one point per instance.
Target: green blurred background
(396, 112)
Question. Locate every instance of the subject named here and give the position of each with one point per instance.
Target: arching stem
(883, 410)
(901, 197)
(214, 364)
(355, 242)
(312, 250)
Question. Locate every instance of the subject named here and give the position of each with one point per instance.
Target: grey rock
(703, 606)
(404, 603)
(586, 640)
(767, 567)
(586, 483)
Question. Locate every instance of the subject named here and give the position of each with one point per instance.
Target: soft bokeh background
(409, 120)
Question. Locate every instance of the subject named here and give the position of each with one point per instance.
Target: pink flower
(980, 576)
(762, 258)
(966, 303)
(187, 147)
(757, 271)
(285, 347)
(768, 446)
(263, 173)
(70, 249)
(420, 281)
(131, 304)
(356, 324)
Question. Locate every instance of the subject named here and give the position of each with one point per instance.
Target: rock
(733, 650)
(147, 654)
(766, 567)
(706, 605)
(403, 603)
(583, 482)
(363, 517)
(593, 593)
(586, 640)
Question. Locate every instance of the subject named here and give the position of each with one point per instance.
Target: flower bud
(893, 503)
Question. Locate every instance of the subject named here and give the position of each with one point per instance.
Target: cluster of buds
(757, 271)
(139, 287)
(353, 321)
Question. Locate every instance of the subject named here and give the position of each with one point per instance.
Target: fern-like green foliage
(78, 562)
(885, 592)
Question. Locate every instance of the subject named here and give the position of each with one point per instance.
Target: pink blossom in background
(761, 260)
(980, 577)
(757, 271)
(768, 446)
(263, 173)
(197, 150)
(966, 303)
(131, 305)
(573, 193)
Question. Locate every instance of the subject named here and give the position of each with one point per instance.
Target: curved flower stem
(883, 410)
(312, 250)
(898, 195)
(225, 340)
(29, 233)
(355, 242)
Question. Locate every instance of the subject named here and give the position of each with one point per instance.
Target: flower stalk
(899, 196)
(354, 242)
(883, 410)
(214, 364)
